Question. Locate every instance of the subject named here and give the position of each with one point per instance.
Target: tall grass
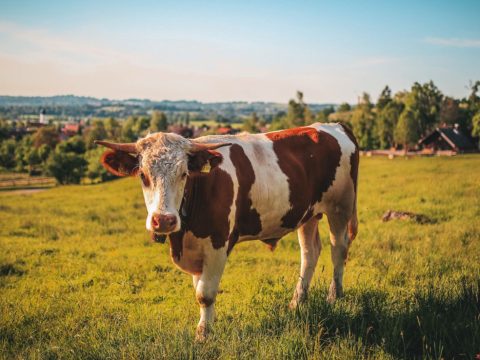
(79, 278)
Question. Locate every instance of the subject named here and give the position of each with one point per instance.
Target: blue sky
(242, 50)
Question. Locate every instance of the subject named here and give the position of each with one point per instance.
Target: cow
(209, 194)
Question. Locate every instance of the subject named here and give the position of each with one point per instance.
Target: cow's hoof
(297, 301)
(293, 304)
(335, 292)
(201, 333)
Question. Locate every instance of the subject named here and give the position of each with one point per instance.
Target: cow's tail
(353, 222)
(352, 226)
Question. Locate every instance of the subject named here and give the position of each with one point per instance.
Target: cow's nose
(164, 222)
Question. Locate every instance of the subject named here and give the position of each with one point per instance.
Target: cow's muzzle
(164, 223)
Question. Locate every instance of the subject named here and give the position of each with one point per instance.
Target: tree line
(75, 158)
(396, 120)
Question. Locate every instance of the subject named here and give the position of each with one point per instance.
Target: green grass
(79, 277)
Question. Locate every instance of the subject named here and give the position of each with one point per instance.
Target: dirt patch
(406, 215)
(24, 191)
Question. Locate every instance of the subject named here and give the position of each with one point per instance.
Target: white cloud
(453, 42)
(35, 44)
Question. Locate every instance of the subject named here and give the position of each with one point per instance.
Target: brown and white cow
(213, 192)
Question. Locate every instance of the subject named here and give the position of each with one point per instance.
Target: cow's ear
(120, 163)
(202, 162)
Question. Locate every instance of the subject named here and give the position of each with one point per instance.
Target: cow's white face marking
(164, 170)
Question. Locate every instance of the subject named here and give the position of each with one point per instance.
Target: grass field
(80, 278)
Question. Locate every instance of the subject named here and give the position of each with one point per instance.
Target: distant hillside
(61, 100)
(71, 105)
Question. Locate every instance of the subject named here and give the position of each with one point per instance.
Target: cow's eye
(144, 179)
(184, 175)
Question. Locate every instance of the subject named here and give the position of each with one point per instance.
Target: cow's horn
(126, 147)
(196, 147)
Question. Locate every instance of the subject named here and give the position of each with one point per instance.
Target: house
(227, 130)
(448, 139)
(71, 129)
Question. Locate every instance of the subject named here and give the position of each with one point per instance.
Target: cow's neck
(189, 202)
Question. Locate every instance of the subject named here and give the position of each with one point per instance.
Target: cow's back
(283, 178)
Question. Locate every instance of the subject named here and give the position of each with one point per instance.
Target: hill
(88, 106)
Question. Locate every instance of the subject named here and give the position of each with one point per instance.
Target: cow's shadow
(426, 324)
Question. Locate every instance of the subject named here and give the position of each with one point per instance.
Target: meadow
(80, 277)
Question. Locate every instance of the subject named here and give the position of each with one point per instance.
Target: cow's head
(162, 161)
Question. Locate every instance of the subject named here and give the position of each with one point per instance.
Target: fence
(21, 182)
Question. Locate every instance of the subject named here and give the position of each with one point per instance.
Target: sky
(245, 50)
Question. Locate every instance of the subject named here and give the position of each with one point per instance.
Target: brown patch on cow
(271, 243)
(207, 202)
(176, 245)
(232, 240)
(184, 253)
(309, 158)
(307, 216)
(247, 219)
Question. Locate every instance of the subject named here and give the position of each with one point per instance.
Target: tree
(95, 171)
(32, 158)
(7, 153)
(67, 163)
(112, 128)
(278, 122)
(344, 107)
(452, 114)
(44, 152)
(385, 98)
(251, 124)
(75, 144)
(66, 167)
(407, 131)
(141, 126)
(47, 135)
(5, 129)
(298, 113)
(21, 153)
(96, 132)
(128, 133)
(476, 125)
(473, 98)
(426, 99)
(387, 119)
(321, 117)
(158, 121)
(363, 123)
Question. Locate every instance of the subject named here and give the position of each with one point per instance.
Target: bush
(95, 171)
(66, 167)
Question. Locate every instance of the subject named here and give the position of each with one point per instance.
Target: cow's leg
(339, 241)
(195, 279)
(206, 288)
(310, 247)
